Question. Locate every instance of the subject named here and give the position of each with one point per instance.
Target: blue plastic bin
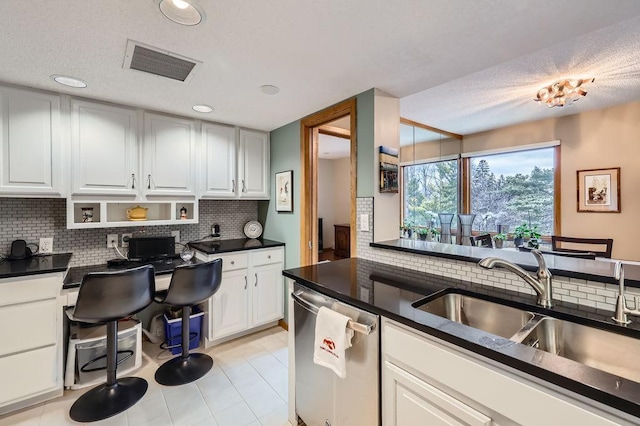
(173, 330)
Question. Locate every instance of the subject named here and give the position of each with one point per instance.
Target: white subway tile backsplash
(595, 297)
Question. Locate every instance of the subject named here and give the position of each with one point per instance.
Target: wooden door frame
(309, 177)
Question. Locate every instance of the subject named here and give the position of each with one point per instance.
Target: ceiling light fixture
(69, 81)
(269, 89)
(562, 92)
(182, 12)
(202, 108)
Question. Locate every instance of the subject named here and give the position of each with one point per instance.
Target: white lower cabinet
(250, 295)
(426, 381)
(229, 308)
(31, 336)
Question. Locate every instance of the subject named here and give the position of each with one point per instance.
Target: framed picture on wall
(284, 191)
(599, 190)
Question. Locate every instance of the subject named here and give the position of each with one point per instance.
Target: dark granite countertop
(593, 270)
(228, 246)
(164, 266)
(39, 264)
(390, 292)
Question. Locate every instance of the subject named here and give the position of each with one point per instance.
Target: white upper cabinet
(30, 142)
(253, 164)
(168, 155)
(219, 159)
(104, 149)
(233, 169)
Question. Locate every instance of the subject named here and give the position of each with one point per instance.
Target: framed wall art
(284, 191)
(599, 190)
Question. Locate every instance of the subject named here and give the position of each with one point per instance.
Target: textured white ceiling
(317, 52)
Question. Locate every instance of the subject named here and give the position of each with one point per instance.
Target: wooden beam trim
(557, 191)
(430, 128)
(335, 131)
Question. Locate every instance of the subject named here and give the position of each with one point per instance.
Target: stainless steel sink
(614, 353)
(494, 318)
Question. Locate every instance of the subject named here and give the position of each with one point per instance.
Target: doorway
(334, 196)
(311, 128)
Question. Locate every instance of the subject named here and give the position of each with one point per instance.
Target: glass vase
(464, 231)
(445, 227)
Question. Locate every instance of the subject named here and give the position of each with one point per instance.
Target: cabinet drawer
(231, 262)
(27, 326)
(264, 257)
(28, 374)
(28, 289)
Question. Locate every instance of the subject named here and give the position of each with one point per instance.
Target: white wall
(334, 194)
(386, 133)
(325, 201)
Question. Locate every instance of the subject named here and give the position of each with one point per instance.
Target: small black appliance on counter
(151, 248)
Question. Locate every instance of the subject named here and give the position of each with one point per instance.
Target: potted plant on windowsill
(519, 234)
(499, 239)
(534, 237)
(423, 234)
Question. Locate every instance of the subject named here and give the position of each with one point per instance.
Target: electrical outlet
(125, 240)
(111, 239)
(176, 235)
(46, 245)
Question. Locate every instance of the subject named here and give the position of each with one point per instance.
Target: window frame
(464, 185)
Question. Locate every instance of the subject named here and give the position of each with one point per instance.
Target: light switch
(364, 222)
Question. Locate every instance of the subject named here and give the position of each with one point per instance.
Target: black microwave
(151, 248)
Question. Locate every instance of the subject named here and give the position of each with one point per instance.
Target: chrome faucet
(621, 304)
(541, 284)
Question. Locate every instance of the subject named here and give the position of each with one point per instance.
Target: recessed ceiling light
(202, 108)
(269, 89)
(69, 81)
(182, 11)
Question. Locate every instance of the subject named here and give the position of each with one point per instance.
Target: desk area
(34, 293)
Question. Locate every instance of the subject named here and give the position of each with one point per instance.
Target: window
(429, 189)
(512, 189)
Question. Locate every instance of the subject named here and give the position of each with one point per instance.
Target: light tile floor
(246, 386)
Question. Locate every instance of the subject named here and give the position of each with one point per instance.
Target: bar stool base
(179, 371)
(105, 401)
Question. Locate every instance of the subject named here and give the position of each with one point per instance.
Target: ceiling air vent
(156, 61)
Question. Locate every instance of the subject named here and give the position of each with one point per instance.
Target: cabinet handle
(245, 282)
(256, 284)
(233, 262)
(244, 188)
(268, 256)
(233, 185)
(149, 182)
(133, 181)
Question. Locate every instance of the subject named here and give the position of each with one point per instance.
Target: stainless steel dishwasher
(322, 398)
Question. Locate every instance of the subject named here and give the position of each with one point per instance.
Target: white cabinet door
(253, 164)
(229, 308)
(409, 401)
(168, 155)
(31, 155)
(218, 161)
(267, 298)
(104, 149)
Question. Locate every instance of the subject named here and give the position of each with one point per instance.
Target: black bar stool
(109, 297)
(190, 285)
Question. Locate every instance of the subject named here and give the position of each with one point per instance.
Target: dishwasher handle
(355, 326)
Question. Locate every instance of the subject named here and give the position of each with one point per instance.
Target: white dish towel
(331, 341)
